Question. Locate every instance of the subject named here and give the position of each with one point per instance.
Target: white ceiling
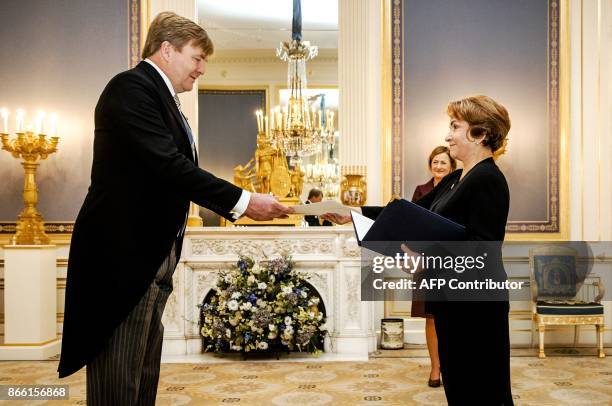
(263, 24)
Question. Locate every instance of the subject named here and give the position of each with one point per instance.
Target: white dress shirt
(245, 197)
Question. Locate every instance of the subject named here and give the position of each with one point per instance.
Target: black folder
(402, 220)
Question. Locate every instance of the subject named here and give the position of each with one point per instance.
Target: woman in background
(440, 164)
(472, 335)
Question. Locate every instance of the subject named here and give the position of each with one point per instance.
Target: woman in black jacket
(472, 336)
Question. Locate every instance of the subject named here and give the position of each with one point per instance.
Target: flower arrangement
(262, 306)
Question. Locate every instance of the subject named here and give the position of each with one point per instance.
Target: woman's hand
(336, 218)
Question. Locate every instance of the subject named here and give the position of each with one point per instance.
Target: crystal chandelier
(296, 128)
(325, 175)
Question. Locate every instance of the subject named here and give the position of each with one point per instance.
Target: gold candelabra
(29, 147)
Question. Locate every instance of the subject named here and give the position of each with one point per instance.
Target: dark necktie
(193, 152)
(185, 124)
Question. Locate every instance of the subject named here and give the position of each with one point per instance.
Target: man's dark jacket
(143, 177)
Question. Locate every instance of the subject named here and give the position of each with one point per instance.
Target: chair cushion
(569, 309)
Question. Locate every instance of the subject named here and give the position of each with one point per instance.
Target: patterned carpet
(573, 380)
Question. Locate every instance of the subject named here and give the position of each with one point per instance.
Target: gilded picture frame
(555, 224)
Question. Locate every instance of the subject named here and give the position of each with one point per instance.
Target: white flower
(286, 290)
(228, 279)
(236, 295)
(304, 294)
(272, 327)
(271, 278)
(251, 279)
(246, 306)
(272, 335)
(262, 285)
(313, 301)
(236, 347)
(256, 269)
(311, 315)
(320, 316)
(288, 320)
(254, 309)
(228, 332)
(262, 345)
(289, 330)
(260, 303)
(232, 305)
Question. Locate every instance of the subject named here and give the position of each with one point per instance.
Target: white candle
(285, 117)
(5, 115)
(258, 115)
(53, 125)
(279, 117)
(266, 128)
(306, 116)
(20, 117)
(39, 122)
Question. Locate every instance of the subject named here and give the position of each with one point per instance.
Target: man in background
(315, 196)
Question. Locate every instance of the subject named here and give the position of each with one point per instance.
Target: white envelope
(362, 224)
(317, 209)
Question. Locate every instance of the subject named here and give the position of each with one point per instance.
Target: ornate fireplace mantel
(330, 257)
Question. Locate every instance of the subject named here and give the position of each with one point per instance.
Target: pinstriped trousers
(126, 371)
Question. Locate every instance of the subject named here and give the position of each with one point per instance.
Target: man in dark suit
(315, 196)
(121, 263)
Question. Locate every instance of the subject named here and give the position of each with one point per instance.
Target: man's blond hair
(178, 31)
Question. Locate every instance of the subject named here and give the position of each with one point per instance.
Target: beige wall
(58, 56)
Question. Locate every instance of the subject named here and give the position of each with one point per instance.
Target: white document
(317, 209)
(361, 223)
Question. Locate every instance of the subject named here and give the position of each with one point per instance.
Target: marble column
(359, 119)
(590, 141)
(359, 79)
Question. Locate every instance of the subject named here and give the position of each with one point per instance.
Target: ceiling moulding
(251, 56)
